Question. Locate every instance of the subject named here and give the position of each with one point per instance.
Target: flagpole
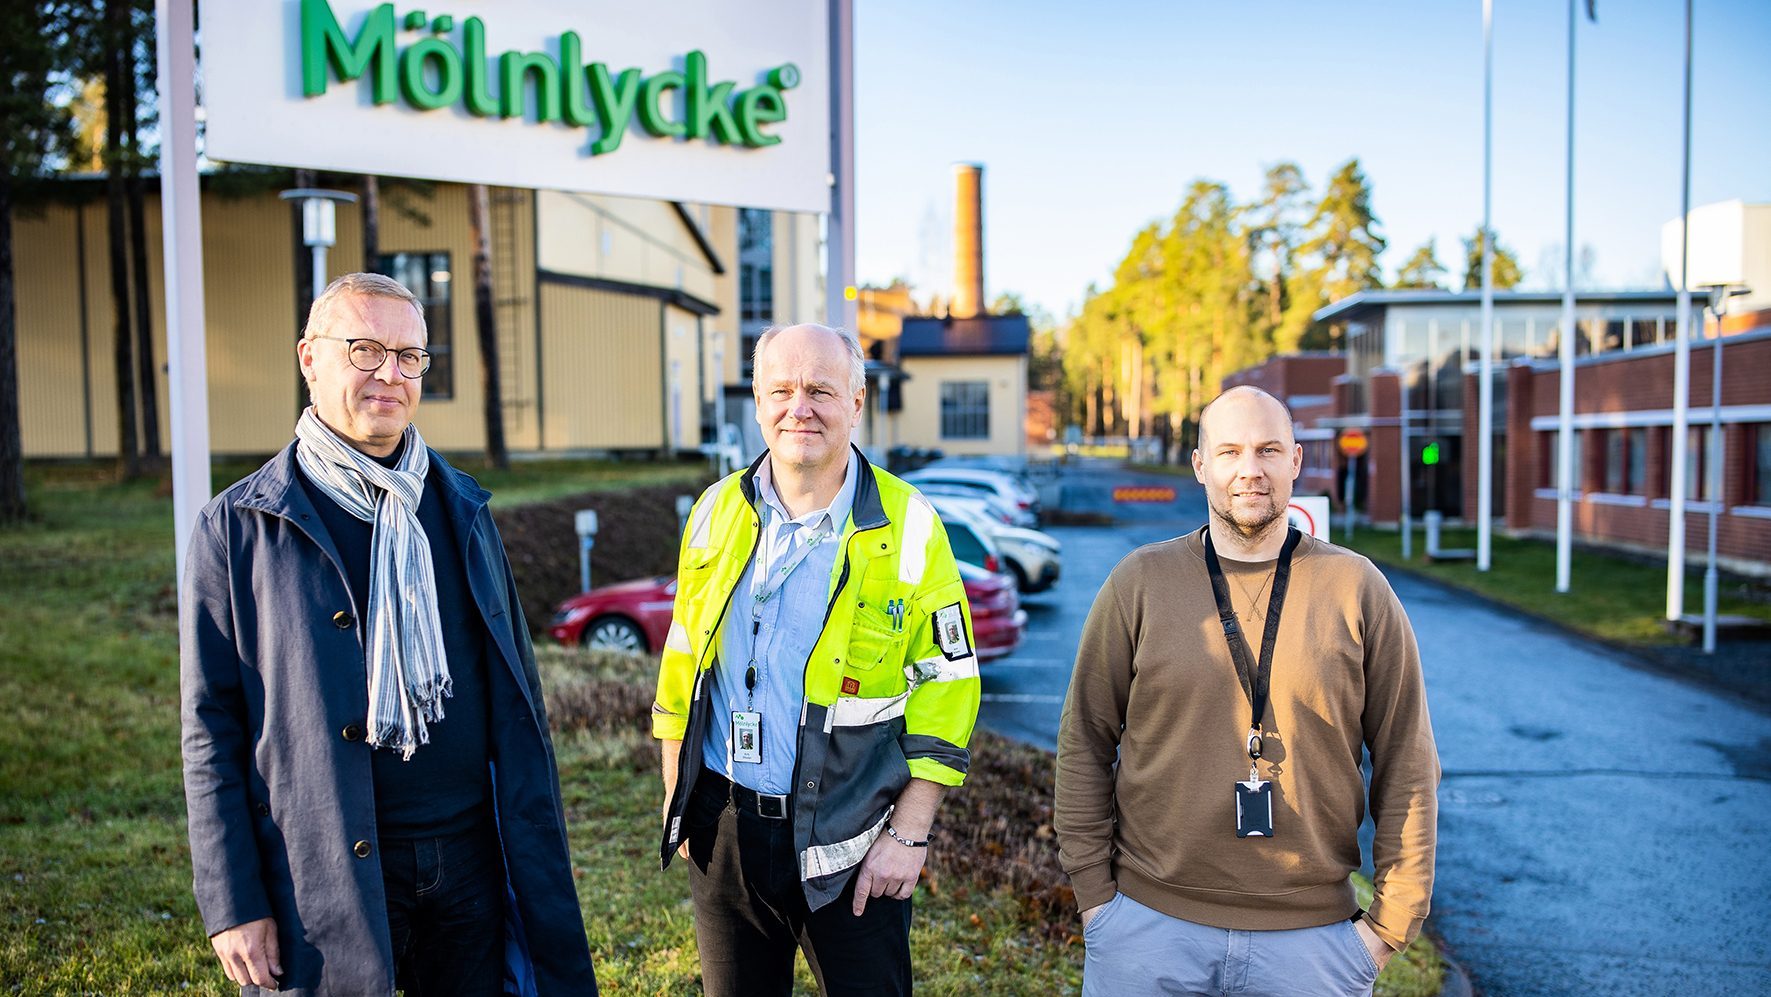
(1485, 389)
(1675, 525)
(1565, 469)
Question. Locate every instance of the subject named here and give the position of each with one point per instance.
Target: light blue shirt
(776, 624)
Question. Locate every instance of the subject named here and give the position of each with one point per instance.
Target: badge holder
(1254, 798)
(747, 741)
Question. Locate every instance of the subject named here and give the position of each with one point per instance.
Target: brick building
(1623, 421)
(1411, 384)
(1305, 383)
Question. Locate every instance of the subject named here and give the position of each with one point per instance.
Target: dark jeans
(751, 914)
(445, 913)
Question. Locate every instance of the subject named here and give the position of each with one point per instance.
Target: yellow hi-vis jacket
(884, 701)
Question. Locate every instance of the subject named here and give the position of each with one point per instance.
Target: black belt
(744, 799)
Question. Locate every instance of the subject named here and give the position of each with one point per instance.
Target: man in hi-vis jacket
(816, 694)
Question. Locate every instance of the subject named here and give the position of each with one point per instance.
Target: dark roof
(1354, 304)
(993, 335)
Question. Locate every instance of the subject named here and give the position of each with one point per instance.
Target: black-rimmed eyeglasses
(368, 355)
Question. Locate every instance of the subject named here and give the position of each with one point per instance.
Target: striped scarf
(408, 673)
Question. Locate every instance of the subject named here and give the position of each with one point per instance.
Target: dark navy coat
(277, 776)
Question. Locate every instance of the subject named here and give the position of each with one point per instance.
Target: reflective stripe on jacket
(884, 701)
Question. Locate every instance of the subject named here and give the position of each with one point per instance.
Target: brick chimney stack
(968, 240)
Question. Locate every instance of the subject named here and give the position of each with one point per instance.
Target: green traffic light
(1429, 454)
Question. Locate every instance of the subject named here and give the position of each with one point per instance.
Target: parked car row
(989, 509)
(1029, 556)
(1013, 492)
(634, 616)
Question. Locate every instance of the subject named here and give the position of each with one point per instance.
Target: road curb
(1457, 980)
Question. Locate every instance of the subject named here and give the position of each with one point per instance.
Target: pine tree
(1342, 250)
(1423, 269)
(1275, 232)
(1507, 272)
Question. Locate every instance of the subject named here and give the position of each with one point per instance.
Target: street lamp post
(319, 225)
(1718, 305)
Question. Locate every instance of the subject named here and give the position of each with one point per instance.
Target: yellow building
(965, 384)
(958, 385)
(621, 322)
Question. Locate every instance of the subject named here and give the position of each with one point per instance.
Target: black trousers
(751, 912)
(445, 913)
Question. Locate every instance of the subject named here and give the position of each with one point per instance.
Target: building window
(1697, 464)
(1626, 461)
(427, 275)
(1759, 444)
(1548, 476)
(965, 410)
(756, 279)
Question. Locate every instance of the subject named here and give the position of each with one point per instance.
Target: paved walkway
(1602, 830)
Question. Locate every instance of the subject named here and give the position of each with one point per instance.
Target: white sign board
(1309, 513)
(712, 102)
(1718, 246)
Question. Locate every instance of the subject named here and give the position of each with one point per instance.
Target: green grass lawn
(95, 893)
(1610, 596)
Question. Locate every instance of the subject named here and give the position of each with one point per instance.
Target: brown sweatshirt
(1156, 690)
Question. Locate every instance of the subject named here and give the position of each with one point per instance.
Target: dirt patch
(637, 537)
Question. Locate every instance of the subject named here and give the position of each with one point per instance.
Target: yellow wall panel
(682, 337)
(602, 369)
(919, 423)
(51, 376)
(624, 239)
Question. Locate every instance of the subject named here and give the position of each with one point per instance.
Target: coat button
(264, 809)
(353, 732)
(362, 849)
(342, 620)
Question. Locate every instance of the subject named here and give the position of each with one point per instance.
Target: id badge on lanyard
(746, 734)
(1254, 798)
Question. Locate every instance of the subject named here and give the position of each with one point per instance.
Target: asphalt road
(1602, 830)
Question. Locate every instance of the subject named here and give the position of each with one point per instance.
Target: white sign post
(585, 523)
(1309, 513)
(182, 251)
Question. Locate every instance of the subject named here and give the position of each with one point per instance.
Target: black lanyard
(1256, 678)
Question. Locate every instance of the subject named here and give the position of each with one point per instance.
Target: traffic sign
(1353, 442)
(1309, 513)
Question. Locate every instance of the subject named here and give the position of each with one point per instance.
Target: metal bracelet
(906, 842)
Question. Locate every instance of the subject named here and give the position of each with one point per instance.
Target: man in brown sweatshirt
(1210, 844)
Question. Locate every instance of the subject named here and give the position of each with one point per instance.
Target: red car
(997, 617)
(635, 616)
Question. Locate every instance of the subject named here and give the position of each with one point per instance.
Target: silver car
(1032, 557)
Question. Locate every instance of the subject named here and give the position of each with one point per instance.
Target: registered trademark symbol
(787, 77)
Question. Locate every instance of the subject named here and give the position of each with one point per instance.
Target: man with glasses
(368, 773)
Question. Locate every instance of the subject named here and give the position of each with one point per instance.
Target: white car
(989, 506)
(973, 542)
(1010, 489)
(1032, 557)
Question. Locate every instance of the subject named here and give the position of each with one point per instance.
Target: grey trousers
(1134, 951)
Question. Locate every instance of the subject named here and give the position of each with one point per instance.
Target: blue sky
(1092, 120)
